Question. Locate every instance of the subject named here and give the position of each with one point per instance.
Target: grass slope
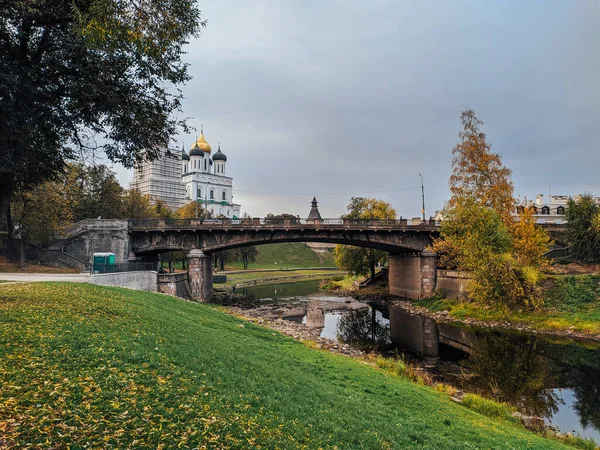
(572, 302)
(277, 276)
(288, 254)
(84, 366)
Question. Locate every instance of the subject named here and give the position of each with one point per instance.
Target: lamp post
(422, 197)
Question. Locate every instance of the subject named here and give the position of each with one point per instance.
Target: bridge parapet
(288, 223)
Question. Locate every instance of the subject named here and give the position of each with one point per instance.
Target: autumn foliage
(481, 232)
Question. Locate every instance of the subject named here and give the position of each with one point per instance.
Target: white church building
(177, 178)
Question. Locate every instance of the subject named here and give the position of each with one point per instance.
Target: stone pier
(412, 275)
(200, 275)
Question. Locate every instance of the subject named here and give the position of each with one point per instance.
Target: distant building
(178, 178)
(544, 212)
(161, 179)
(551, 212)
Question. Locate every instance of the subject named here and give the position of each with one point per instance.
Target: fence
(124, 267)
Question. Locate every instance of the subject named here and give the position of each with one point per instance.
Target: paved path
(74, 277)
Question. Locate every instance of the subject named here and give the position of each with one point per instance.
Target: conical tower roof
(314, 211)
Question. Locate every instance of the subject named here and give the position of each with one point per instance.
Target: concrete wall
(101, 235)
(175, 284)
(142, 281)
(452, 283)
(34, 254)
(412, 276)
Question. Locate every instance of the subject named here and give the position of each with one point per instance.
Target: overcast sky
(336, 99)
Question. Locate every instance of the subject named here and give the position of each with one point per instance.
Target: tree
(247, 255)
(98, 192)
(481, 234)
(162, 210)
(192, 210)
(42, 212)
(358, 260)
(137, 206)
(75, 70)
(583, 228)
(479, 174)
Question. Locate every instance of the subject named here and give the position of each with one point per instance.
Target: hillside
(286, 255)
(85, 366)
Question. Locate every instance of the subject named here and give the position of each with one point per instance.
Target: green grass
(571, 303)
(287, 255)
(341, 283)
(85, 366)
(273, 276)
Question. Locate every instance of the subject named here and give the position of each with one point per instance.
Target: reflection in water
(513, 369)
(554, 381)
(315, 314)
(361, 329)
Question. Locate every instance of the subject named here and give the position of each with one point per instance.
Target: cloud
(354, 98)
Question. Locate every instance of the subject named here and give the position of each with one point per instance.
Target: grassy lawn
(85, 366)
(572, 302)
(279, 275)
(287, 255)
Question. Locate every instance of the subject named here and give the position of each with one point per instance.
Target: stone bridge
(411, 271)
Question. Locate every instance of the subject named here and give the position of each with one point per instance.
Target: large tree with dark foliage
(583, 228)
(77, 72)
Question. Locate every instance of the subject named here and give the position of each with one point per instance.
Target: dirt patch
(575, 269)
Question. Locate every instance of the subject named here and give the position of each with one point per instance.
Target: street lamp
(422, 197)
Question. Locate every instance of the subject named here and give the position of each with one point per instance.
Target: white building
(206, 181)
(178, 178)
(161, 179)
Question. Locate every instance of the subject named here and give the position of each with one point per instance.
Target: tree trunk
(11, 242)
(7, 186)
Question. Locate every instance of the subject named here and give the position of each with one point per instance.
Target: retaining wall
(142, 281)
(452, 283)
(175, 284)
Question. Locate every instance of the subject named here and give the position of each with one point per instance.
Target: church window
(227, 213)
(212, 194)
(224, 196)
(545, 210)
(560, 210)
(204, 164)
(194, 164)
(199, 193)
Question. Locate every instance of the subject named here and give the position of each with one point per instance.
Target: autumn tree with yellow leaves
(360, 260)
(482, 233)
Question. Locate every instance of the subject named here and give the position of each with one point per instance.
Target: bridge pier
(412, 276)
(200, 275)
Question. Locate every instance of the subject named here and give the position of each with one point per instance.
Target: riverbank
(242, 278)
(571, 308)
(149, 370)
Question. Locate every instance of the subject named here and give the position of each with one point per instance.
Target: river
(558, 380)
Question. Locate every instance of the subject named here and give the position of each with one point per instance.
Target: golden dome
(202, 144)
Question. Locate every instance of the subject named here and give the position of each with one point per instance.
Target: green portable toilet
(103, 260)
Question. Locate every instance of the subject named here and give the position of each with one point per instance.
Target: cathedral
(177, 178)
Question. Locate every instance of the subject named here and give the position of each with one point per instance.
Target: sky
(339, 99)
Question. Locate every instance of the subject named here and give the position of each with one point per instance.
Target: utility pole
(422, 197)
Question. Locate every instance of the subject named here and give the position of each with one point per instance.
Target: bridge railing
(147, 224)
